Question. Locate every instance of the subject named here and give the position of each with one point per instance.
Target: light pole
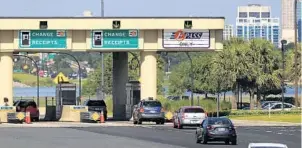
(102, 55)
(191, 77)
(296, 54)
(79, 71)
(283, 42)
(37, 73)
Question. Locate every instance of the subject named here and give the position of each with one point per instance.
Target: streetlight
(296, 52)
(192, 77)
(283, 42)
(37, 73)
(102, 54)
(79, 71)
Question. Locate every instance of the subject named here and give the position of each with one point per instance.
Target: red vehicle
(28, 106)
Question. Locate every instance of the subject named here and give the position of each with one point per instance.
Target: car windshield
(151, 104)
(96, 103)
(194, 110)
(215, 121)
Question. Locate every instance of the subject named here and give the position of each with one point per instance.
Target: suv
(188, 116)
(28, 106)
(96, 106)
(148, 110)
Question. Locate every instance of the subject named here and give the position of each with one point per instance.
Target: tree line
(254, 67)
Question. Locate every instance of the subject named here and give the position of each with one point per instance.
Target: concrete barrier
(90, 116)
(72, 113)
(4, 110)
(50, 113)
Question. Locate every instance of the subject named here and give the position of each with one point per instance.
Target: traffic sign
(114, 38)
(60, 78)
(38, 39)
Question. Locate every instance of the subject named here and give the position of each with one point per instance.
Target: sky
(225, 8)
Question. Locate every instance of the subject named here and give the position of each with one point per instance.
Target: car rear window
(96, 103)
(33, 104)
(151, 104)
(194, 110)
(215, 121)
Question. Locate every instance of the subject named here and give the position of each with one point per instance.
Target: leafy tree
(94, 79)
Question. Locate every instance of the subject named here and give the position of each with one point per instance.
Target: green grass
(293, 118)
(31, 80)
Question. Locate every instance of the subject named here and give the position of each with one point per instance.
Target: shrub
(262, 112)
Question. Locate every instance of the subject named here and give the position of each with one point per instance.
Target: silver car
(188, 116)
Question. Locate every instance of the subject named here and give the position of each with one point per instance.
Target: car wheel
(157, 122)
(36, 119)
(227, 142)
(162, 122)
(174, 125)
(234, 142)
(134, 122)
(139, 122)
(197, 139)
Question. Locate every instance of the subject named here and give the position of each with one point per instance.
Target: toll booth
(65, 95)
(133, 96)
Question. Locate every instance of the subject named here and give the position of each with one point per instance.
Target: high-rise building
(228, 32)
(255, 21)
(299, 19)
(288, 19)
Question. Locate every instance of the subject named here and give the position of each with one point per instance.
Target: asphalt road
(185, 137)
(147, 136)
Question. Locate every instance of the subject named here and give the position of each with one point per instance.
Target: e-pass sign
(114, 38)
(186, 38)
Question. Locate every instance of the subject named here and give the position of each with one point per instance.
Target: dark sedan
(216, 129)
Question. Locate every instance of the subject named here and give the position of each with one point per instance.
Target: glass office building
(299, 19)
(255, 21)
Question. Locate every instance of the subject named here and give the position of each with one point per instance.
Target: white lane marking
(279, 133)
(268, 131)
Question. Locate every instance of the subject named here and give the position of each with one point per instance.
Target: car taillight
(209, 127)
(162, 110)
(231, 128)
(182, 115)
(141, 110)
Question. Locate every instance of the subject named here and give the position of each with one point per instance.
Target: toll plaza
(147, 35)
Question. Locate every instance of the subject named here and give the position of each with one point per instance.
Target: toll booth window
(96, 103)
(194, 110)
(151, 104)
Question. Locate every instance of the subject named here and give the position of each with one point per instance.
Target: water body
(32, 92)
(51, 92)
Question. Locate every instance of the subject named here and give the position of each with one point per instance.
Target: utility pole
(103, 69)
(283, 42)
(296, 54)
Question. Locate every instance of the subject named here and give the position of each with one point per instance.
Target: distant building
(255, 21)
(87, 13)
(288, 19)
(228, 32)
(299, 19)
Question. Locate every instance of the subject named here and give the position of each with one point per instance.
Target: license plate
(221, 129)
(194, 121)
(152, 111)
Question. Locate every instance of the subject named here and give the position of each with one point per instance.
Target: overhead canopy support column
(148, 74)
